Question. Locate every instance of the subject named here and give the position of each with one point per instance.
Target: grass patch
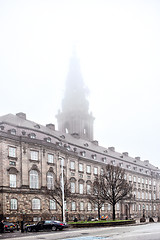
(100, 221)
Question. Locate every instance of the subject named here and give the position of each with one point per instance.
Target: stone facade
(30, 163)
(27, 147)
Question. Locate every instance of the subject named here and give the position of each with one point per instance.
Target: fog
(117, 44)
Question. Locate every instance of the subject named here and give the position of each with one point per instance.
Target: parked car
(46, 225)
(9, 227)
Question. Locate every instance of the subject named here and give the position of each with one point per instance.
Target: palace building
(30, 162)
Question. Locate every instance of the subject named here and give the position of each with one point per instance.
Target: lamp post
(63, 206)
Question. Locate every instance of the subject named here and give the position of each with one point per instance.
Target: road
(150, 231)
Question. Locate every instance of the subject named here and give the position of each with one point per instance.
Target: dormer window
(104, 159)
(32, 135)
(37, 126)
(120, 164)
(62, 136)
(1, 127)
(128, 166)
(48, 139)
(86, 144)
(12, 131)
(113, 162)
(94, 156)
(83, 153)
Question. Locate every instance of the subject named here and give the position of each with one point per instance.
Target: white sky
(118, 44)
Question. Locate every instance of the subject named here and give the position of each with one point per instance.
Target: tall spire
(74, 118)
(75, 97)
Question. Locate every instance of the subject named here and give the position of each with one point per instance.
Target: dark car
(9, 227)
(46, 225)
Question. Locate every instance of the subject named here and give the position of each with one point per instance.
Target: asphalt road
(150, 231)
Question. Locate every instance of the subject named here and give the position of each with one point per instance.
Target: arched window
(34, 181)
(50, 180)
(36, 204)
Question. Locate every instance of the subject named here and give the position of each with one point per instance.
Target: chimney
(51, 126)
(95, 142)
(112, 149)
(125, 154)
(146, 162)
(21, 115)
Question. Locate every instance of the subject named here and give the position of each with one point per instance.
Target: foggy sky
(117, 43)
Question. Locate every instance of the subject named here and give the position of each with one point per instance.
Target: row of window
(36, 205)
(145, 195)
(34, 155)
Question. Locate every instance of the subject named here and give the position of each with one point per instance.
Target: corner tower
(75, 117)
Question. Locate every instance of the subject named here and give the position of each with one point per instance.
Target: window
(72, 165)
(154, 196)
(88, 169)
(95, 170)
(154, 183)
(80, 167)
(130, 178)
(149, 181)
(103, 207)
(13, 204)
(142, 180)
(50, 158)
(36, 204)
(109, 207)
(81, 206)
(34, 183)
(142, 195)
(150, 196)
(50, 182)
(139, 207)
(147, 207)
(133, 207)
(73, 187)
(12, 152)
(88, 189)
(52, 204)
(139, 195)
(139, 180)
(117, 206)
(12, 180)
(48, 139)
(146, 181)
(154, 207)
(95, 206)
(81, 188)
(89, 206)
(102, 171)
(146, 195)
(32, 135)
(134, 178)
(34, 155)
(73, 206)
(13, 131)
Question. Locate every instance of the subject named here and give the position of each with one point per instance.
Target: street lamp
(63, 206)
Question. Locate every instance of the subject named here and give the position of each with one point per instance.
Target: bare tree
(115, 186)
(95, 194)
(56, 193)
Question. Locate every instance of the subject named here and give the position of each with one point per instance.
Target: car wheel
(29, 229)
(54, 228)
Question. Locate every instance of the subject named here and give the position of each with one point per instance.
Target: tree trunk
(114, 214)
(99, 213)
